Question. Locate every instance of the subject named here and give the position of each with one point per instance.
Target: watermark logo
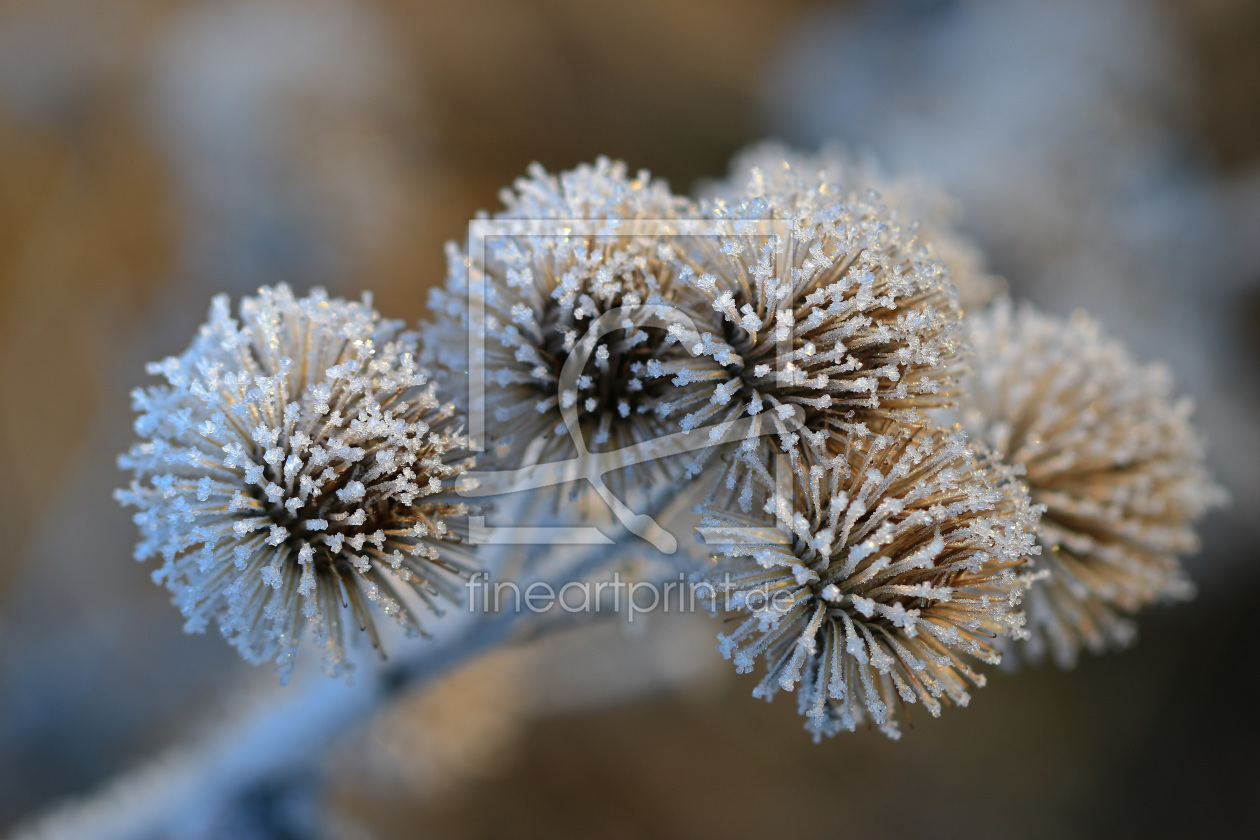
(617, 595)
(587, 466)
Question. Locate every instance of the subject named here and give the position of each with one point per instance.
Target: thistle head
(825, 302)
(294, 473)
(1113, 455)
(867, 582)
(573, 282)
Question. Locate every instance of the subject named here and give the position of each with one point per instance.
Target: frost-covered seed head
(847, 317)
(1111, 453)
(868, 585)
(542, 294)
(772, 168)
(295, 467)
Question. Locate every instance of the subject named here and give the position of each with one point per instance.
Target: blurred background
(1104, 153)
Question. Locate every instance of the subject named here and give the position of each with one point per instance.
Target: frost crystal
(1112, 455)
(845, 317)
(771, 168)
(869, 578)
(543, 292)
(294, 466)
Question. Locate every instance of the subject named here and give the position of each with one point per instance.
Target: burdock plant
(872, 580)
(301, 469)
(544, 287)
(824, 302)
(297, 466)
(1111, 452)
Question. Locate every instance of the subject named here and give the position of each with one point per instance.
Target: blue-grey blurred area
(1104, 153)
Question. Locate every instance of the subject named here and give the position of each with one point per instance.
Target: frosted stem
(185, 791)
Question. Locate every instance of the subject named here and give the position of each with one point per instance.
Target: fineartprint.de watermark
(617, 595)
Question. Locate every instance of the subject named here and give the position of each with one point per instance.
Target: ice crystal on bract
(1113, 456)
(844, 315)
(772, 168)
(867, 581)
(294, 467)
(544, 288)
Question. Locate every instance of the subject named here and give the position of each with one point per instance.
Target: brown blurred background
(155, 152)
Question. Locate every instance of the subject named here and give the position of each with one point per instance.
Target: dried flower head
(769, 168)
(543, 292)
(869, 578)
(1112, 455)
(839, 312)
(295, 465)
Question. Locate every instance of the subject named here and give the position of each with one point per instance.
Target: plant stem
(183, 792)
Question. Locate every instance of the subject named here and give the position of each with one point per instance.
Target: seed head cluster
(294, 474)
(795, 337)
(823, 302)
(871, 580)
(1111, 453)
(578, 264)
